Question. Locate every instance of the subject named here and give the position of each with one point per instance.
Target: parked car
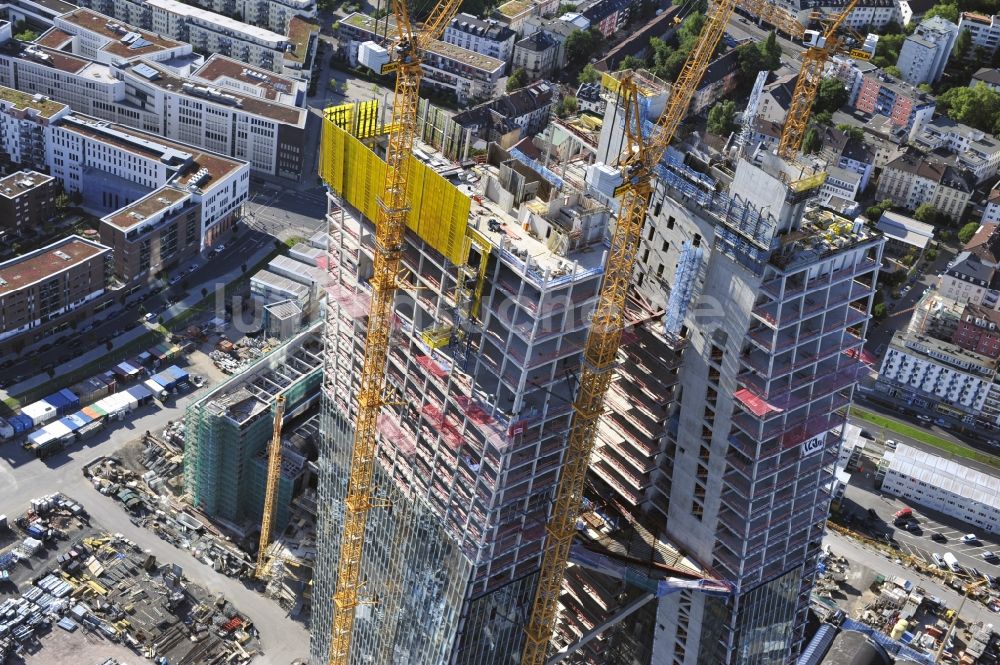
(924, 419)
(890, 444)
(939, 560)
(939, 538)
(990, 557)
(867, 435)
(150, 316)
(970, 539)
(175, 279)
(941, 422)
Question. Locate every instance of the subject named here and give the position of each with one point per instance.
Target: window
(659, 270)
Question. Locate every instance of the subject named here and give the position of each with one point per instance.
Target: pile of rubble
(233, 358)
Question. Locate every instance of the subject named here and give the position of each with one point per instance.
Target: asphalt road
(22, 477)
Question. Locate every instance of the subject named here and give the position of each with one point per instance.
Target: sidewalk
(178, 308)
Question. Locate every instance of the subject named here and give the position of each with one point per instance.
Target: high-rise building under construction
(774, 295)
(715, 458)
(486, 344)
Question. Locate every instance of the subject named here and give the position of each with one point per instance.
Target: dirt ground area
(78, 648)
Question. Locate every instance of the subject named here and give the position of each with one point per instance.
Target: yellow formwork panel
(439, 213)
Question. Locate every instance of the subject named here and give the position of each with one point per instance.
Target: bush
(879, 311)
(931, 255)
(967, 231)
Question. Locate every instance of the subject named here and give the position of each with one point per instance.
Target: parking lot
(919, 544)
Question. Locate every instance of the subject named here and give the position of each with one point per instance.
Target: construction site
(90, 595)
(580, 397)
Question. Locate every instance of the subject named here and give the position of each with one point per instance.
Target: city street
(23, 477)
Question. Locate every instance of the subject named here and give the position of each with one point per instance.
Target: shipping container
(156, 389)
(6, 430)
(90, 390)
(60, 402)
(141, 393)
(180, 375)
(40, 412)
(21, 423)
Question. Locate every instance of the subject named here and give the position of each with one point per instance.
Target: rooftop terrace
(146, 207)
(821, 234)
(219, 66)
(21, 182)
(124, 40)
(45, 107)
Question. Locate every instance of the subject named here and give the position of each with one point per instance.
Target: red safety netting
(432, 413)
(757, 405)
(354, 304)
(431, 366)
(390, 429)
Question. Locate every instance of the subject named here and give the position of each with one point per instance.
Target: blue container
(21, 423)
(74, 400)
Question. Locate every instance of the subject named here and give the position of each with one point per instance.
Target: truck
(952, 562)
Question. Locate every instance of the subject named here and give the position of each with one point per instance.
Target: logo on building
(813, 445)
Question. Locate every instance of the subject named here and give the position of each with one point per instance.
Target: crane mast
(271, 490)
(807, 86)
(406, 53)
(604, 338)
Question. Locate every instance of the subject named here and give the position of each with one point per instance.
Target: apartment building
(470, 76)
(966, 490)
(720, 79)
(470, 454)
(925, 53)
(849, 152)
(841, 183)
(912, 180)
(991, 215)
(536, 54)
(93, 36)
(27, 200)
(979, 330)
(984, 30)
(968, 279)
(511, 117)
(851, 72)
(47, 290)
(973, 149)
(868, 13)
(988, 76)
(486, 36)
(228, 429)
(606, 16)
(933, 375)
(906, 107)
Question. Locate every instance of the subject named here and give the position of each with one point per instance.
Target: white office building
(968, 491)
(925, 53)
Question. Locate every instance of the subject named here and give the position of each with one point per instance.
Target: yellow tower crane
(271, 490)
(807, 86)
(406, 52)
(636, 163)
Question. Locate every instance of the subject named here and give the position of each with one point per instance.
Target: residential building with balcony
(912, 180)
(973, 149)
(849, 152)
(906, 107)
(924, 54)
(486, 36)
(536, 54)
(48, 289)
(470, 76)
(935, 376)
(984, 30)
(27, 200)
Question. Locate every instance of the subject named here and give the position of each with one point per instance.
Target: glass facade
(766, 619)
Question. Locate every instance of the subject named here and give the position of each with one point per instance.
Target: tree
(947, 11)
(771, 52)
(720, 117)
(887, 49)
(630, 62)
(831, 95)
(750, 61)
(568, 106)
(63, 201)
(931, 255)
(588, 74)
(892, 70)
(517, 79)
(967, 231)
(811, 142)
(924, 88)
(580, 46)
(689, 30)
(926, 213)
(853, 131)
(26, 36)
(566, 7)
(977, 107)
(879, 311)
(962, 44)
(874, 212)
